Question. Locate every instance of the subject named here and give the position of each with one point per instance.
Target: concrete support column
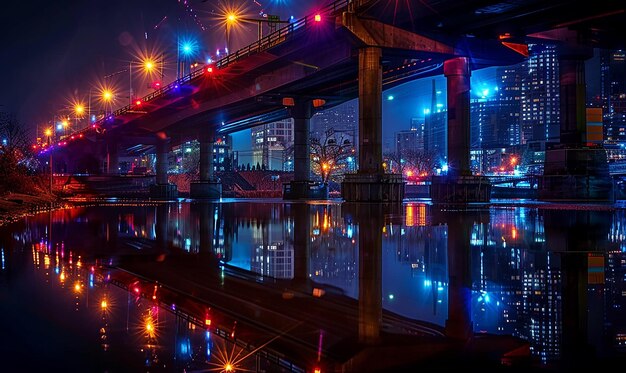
(302, 141)
(457, 73)
(370, 111)
(208, 187)
(301, 187)
(573, 95)
(370, 183)
(206, 157)
(161, 160)
(113, 158)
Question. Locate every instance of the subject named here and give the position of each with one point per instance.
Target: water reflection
(551, 276)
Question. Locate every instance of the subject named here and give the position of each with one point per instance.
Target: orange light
(318, 102)
(104, 304)
(288, 101)
(317, 370)
(318, 18)
(228, 367)
(207, 322)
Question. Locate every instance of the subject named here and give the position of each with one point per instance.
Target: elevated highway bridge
(349, 49)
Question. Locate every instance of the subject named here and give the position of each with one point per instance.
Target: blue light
(349, 159)
(59, 127)
(426, 111)
(391, 297)
(93, 117)
(444, 167)
(427, 283)
(390, 98)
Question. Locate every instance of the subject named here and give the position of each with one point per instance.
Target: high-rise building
(613, 94)
(410, 140)
(341, 119)
(540, 95)
(269, 143)
(436, 135)
(510, 97)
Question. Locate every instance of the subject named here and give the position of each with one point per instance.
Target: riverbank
(15, 206)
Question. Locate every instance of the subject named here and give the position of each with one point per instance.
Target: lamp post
(233, 19)
(48, 133)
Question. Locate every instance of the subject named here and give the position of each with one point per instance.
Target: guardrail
(275, 38)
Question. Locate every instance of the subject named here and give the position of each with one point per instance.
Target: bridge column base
(305, 190)
(163, 191)
(372, 188)
(205, 189)
(576, 174)
(460, 189)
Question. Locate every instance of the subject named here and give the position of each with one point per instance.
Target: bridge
(356, 49)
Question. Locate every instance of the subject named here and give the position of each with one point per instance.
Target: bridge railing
(277, 37)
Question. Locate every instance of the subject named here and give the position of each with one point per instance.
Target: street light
(49, 133)
(186, 48)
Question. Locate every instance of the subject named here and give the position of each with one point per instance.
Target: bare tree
(16, 156)
(329, 154)
(411, 162)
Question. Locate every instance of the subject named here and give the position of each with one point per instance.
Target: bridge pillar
(207, 187)
(162, 189)
(573, 170)
(302, 187)
(459, 186)
(370, 183)
(113, 157)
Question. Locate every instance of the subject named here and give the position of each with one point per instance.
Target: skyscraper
(613, 94)
(540, 95)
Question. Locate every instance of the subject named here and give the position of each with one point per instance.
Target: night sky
(53, 52)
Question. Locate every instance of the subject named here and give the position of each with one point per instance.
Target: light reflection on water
(552, 276)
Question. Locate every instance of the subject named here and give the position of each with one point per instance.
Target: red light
(81, 135)
(156, 85)
(318, 18)
(209, 69)
(138, 102)
(136, 289)
(207, 322)
(317, 370)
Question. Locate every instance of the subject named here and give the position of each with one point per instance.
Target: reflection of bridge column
(459, 185)
(301, 240)
(205, 213)
(369, 218)
(207, 187)
(162, 188)
(459, 224)
(370, 183)
(573, 234)
(162, 222)
(113, 157)
(299, 188)
(572, 172)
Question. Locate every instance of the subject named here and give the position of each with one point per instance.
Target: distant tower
(540, 95)
(613, 85)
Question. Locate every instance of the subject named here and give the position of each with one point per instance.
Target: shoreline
(16, 206)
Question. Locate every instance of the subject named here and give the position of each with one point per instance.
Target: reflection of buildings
(334, 249)
(273, 260)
